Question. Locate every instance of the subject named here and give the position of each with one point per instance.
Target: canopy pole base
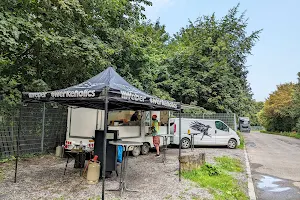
(104, 144)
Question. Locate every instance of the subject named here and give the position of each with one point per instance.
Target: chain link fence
(42, 128)
(227, 118)
(257, 128)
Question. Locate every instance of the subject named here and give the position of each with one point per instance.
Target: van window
(221, 126)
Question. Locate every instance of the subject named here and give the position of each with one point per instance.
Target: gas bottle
(93, 173)
(58, 152)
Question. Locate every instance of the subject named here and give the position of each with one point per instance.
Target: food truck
(82, 123)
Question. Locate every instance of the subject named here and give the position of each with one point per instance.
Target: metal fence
(227, 118)
(257, 128)
(42, 128)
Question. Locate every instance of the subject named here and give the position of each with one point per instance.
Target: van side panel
(200, 139)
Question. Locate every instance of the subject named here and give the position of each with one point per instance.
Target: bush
(242, 140)
(288, 134)
(297, 127)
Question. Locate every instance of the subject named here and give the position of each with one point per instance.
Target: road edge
(251, 190)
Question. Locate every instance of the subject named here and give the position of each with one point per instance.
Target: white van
(206, 133)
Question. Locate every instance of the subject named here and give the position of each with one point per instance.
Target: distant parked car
(209, 133)
(244, 124)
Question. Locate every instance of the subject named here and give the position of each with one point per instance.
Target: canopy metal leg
(104, 146)
(179, 143)
(165, 144)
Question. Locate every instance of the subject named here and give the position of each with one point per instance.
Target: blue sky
(275, 56)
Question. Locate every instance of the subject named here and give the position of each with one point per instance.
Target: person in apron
(155, 132)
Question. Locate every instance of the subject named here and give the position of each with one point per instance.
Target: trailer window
(221, 126)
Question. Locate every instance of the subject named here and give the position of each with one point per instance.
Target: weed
(242, 140)
(197, 198)
(8, 159)
(211, 170)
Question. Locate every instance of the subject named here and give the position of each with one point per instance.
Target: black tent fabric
(91, 94)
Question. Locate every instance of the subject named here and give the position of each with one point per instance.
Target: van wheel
(136, 151)
(232, 144)
(145, 149)
(185, 143)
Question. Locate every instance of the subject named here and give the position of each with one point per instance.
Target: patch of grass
(168, 197)
(97, 198)
(23, 157)
(288, 134)
(218, 181)
(242, 140)
(229, 164)
(1, 175)
(197, 198)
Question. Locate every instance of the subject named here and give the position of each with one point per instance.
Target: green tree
(257, 106)
(277, 112)
(296, 104)
(52, 44)
(207, 63)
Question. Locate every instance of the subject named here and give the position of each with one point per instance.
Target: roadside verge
(251, 190)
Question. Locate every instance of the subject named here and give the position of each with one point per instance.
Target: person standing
(155, 132)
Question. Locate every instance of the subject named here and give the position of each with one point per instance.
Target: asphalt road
(275, 166)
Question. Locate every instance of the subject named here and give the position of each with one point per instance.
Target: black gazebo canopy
(92, 93)
(106, 91)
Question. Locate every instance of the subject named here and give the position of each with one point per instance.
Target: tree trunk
(190, 162)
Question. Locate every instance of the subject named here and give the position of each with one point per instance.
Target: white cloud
(152, 12)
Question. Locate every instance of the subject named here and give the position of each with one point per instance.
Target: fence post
(235, 128)
(43, 128)
(12, 136)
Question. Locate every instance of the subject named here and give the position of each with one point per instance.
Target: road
(275, 166)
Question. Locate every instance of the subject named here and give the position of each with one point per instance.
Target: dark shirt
(134, 117)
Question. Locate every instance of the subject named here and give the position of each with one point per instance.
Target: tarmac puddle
(268, 182)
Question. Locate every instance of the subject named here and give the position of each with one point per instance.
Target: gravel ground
(42, 178)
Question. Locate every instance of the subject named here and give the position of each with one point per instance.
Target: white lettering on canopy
(136, 97)
(37, 95)
(64, 94)
(74, 94)
(163, 102)
(132, 96)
